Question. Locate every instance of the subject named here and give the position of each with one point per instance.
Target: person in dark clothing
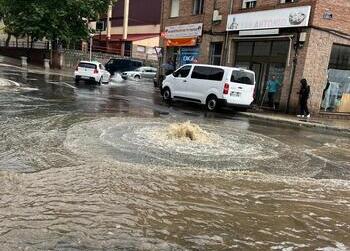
(304, 95)
(168, 67)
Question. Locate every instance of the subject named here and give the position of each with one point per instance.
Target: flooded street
(99, 168)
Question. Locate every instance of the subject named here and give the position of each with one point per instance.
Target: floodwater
(99, 168)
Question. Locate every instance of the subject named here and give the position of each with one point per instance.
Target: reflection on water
(72, 179)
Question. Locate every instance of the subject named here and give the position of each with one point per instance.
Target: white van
(210, 85)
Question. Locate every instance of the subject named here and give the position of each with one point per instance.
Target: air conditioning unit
(216, 16)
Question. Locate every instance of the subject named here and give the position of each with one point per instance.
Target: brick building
(292, 39)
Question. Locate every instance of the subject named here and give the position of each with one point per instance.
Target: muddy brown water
(94, 169)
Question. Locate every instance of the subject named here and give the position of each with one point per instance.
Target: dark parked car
(121, 65)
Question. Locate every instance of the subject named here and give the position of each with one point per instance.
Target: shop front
(336, 95)
(265, 58)
(182, 43)
(263, 41)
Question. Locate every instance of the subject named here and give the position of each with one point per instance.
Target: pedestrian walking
(272, 87)
(304, 95)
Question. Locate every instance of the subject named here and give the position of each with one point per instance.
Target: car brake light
(95, 71)
(226, 88)
(77, 68)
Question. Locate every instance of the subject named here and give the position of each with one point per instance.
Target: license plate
(85, 77)
(235, 94)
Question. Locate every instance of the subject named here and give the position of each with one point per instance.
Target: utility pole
(125, 25)
(109, 23)
(226, 56)
(90, 51)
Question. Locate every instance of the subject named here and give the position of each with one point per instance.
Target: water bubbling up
(156, 142)
(187, 131)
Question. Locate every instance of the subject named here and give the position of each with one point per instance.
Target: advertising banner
(270, 19)
(189, 55)
(183, 31)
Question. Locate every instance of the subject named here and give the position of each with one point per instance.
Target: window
(262, 48)
(289, 1)
(136, 64)
(336, 95)
(183, 72)
(245, 48)
(208, 73)
(87, 65)
(198, 7)
(242, 77)
(175, 8)
(248, 4)
(280, 48)
(215, 53)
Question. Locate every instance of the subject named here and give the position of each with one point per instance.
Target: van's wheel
(212, 103)
(137, 77)
(167, 95)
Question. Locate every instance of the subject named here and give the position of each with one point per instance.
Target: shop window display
(336, 95)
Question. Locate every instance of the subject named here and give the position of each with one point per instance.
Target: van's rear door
(242, 87)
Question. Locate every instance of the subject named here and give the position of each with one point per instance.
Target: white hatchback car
(211, 85)
(91, 71)
(142, 72)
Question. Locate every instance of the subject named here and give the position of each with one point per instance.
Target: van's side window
(182, 72)
(207, 73)
(242, 77)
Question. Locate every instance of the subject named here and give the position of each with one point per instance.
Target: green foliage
(64, 20)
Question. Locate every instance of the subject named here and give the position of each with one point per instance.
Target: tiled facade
(312, 58)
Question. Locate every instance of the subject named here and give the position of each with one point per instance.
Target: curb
(295, 122)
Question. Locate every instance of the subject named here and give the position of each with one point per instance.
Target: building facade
(291, 39)
(143, 32)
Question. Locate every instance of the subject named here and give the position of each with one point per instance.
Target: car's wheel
(212, 103)
(76, 81)
(137, 77)
(167, 95)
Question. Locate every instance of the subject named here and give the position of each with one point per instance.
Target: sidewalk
(316, 122)
(13, 62)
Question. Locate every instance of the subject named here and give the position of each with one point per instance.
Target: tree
(55, 20)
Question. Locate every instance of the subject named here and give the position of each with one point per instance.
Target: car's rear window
(207, 73)
(137, 64)
(242, 77)
(87, 65)
(125, 62)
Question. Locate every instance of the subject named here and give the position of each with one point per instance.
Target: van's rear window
(242, 77)
(208, 73)
(87, 65)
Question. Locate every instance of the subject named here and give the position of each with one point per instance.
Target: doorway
(260, 70)
(265, 58)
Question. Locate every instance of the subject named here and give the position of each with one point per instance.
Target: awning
(181, 42)
(131, 37)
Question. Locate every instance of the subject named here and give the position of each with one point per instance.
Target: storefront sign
(180, 42)
(189, 55)
(270, 19)
(259, 32)
(183, 31)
